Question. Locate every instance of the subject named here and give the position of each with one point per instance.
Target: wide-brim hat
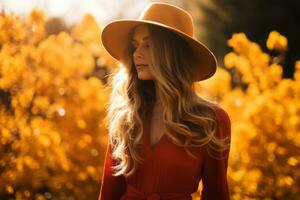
(114, 35)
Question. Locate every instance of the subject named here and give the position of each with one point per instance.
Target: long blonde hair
(190, 121)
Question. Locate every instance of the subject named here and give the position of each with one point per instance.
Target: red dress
(168, 173)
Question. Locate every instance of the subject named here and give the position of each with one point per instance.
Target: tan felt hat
(114, 35)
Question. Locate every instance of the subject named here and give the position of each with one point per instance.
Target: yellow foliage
(277, 42)
(50, 125)
(88, 32)
(264, 111)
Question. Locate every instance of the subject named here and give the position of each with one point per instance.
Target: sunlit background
(53, 88)
(71, 11)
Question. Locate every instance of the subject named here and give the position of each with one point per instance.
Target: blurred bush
(264, 109)
(52, 107)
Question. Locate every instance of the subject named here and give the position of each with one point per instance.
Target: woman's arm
(112, 187)
(214, 173)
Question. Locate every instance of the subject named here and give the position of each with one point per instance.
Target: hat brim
(114, 37)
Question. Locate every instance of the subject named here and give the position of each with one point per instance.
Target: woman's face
(141, 54)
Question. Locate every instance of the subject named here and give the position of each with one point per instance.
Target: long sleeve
(214, 173)
(112, 187)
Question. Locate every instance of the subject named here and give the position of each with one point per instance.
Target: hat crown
(169, 15)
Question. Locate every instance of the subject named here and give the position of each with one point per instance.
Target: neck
(158, 108)
(157, 100)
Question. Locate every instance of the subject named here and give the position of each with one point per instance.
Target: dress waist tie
(133, 193)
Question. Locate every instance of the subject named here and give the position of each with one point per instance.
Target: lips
(141, 66)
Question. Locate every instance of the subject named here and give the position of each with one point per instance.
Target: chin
(144, 78)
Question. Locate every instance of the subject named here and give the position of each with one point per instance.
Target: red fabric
(168, 173)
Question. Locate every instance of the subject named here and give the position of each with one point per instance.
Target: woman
(163, 138)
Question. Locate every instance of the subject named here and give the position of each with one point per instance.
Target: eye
(144, 45)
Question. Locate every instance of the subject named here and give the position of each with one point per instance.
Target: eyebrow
(145, 38)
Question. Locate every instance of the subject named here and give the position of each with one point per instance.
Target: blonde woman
(163, 138)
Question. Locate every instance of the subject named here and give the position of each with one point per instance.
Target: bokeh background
(54, 86)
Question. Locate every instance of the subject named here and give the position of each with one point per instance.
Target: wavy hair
(190, 121)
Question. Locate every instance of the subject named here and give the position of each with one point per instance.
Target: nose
(137, 53)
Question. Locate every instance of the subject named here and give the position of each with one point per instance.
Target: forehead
(141, 32)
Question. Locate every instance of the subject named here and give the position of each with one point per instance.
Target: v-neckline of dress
(155, 147)
(147, 138)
